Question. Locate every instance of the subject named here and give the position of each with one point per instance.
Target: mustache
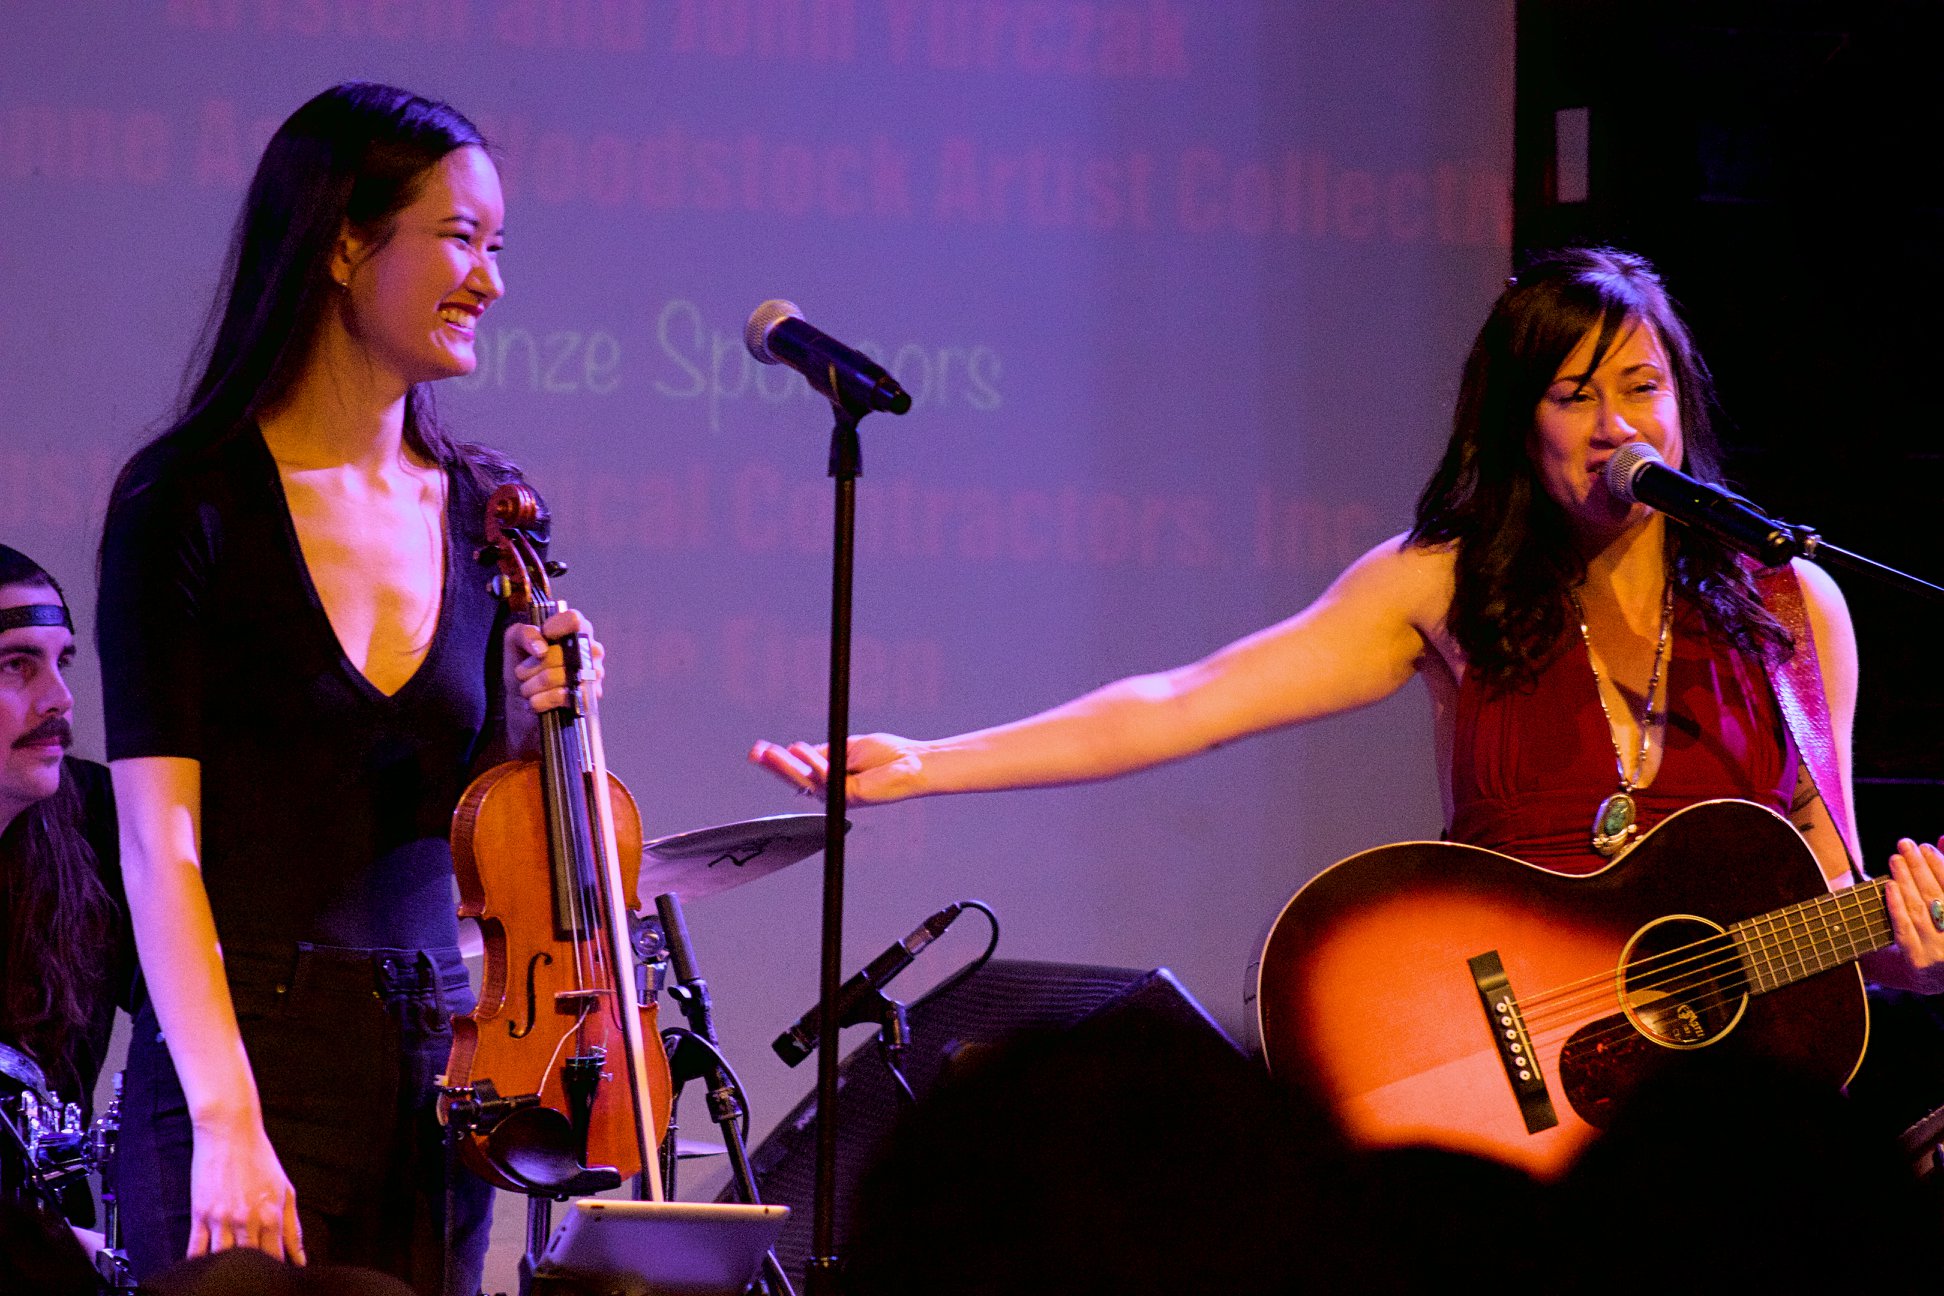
(52, 727)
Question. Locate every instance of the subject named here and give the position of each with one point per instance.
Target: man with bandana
(65, 953)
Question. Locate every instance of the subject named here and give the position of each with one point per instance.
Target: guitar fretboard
(1785, 946)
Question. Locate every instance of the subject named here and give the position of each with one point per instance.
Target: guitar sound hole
(1681, 987)
(1681, 982)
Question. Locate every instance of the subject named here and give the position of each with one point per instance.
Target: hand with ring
(1914, 896)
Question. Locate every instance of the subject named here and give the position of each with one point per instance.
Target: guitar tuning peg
(556, 568)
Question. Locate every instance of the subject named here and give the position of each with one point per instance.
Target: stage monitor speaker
(948, 1026)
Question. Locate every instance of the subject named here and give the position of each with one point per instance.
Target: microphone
(1636, 474)
(776, 334)
(800, 1041)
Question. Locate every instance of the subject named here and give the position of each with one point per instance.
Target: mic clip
(894, 1023)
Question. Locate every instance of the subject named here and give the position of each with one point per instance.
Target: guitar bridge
(1516, 1055)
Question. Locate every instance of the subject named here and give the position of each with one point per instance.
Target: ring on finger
(1937, 914)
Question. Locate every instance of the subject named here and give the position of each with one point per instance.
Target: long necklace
(1615, 823)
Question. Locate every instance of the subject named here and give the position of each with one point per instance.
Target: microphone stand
(1805, 543)
(846, 463)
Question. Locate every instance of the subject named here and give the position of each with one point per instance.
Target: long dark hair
(59, 916)
(1517, 560)
(351, 158)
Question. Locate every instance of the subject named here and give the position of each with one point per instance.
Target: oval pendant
(1613, 825)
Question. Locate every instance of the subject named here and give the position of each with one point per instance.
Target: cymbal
(690, 1149)
(705, 861)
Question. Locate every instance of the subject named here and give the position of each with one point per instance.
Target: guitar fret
(1791, 944)
(1751, 936)
(1821, 944)
(1797, 954)
(1800, 940)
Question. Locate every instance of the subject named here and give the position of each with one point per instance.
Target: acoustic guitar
(1453, 995)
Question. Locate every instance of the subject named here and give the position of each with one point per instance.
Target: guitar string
(1542, 1038)
(1726, 958)
(1803, 937)
(1802, 943)
(1721, 992)
(1623, 1027)
(1800, 923)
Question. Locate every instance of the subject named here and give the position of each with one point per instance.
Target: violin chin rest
(536, 1148)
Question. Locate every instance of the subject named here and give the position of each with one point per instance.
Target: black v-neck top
(325, 803)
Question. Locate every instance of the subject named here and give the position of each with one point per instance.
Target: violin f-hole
(532, 996)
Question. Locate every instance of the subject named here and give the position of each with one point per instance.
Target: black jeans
(346, 1045)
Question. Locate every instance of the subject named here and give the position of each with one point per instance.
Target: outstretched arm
(1356, 644)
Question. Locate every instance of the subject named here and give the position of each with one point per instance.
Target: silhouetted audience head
(1132, 1154)
(252, 1273)
(1139, 1155)
(1728, 1173)
(40, 1254)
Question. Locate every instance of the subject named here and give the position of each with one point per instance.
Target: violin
(550, 1082)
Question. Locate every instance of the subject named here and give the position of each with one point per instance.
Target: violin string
(560, 1044)
(594, 963)
(544, 606)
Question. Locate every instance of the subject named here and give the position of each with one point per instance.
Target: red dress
(1530, 766)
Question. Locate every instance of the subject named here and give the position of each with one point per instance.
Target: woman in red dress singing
(1591, 669)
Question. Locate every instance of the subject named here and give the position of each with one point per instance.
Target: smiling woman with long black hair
(300, 670)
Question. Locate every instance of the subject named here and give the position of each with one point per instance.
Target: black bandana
(35, 614)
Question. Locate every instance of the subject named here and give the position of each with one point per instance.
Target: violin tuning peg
(487, 553)
(496, 586)
(556, 568)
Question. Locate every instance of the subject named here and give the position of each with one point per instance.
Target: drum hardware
(46, 1154)
(111, 1260)
(707, 861)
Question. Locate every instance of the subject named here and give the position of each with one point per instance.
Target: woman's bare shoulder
(1419, 578)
